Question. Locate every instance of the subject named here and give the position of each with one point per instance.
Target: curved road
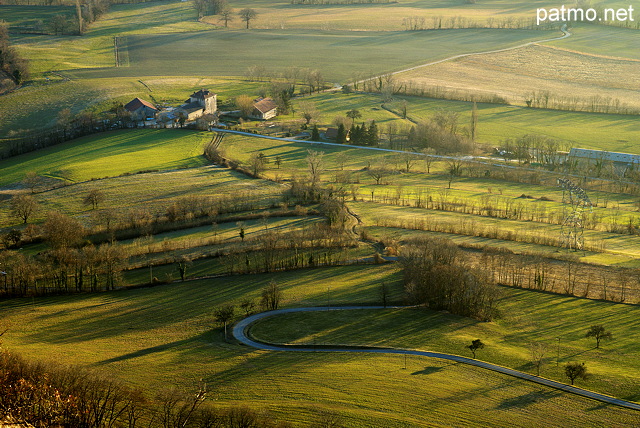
(240, 333)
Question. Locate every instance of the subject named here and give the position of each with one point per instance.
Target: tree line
(11, 64)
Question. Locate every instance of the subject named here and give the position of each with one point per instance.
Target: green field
(136, 334)
(111, 154)
(528, 317)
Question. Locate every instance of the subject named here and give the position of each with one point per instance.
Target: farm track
(240, 333)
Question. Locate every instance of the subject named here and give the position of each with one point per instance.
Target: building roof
(265, 105)
(604, 155)
(331, 133)
(137, 103)
(190, 107)
(202, 94)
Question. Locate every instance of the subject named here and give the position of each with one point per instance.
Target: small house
(140, 109)
(264, 109)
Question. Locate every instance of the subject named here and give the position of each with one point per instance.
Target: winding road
(240, 332)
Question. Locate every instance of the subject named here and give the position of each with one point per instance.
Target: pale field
(515, 74)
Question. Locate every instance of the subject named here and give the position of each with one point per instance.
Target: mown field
(136, 334)
(516, 74)
(528, 317)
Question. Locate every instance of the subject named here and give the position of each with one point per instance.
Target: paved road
(240, 333)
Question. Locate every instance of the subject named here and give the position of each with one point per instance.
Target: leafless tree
(315, 165)
(247, 15)
(23, 206)
(94, 198)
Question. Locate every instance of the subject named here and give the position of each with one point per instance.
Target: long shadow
(527, 399)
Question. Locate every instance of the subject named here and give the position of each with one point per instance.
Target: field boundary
(564, 30)
(241, 329)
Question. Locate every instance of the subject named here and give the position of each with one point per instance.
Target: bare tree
(428, 158)
(247, 15)
(23, 206)
(315, 165)
(93, 198)
(538, 351)
(32, 180)
(599, 332)
(223, 315)
(271, 296)
(226, 15)
(62, 231)
(244, 103)
(309, 111)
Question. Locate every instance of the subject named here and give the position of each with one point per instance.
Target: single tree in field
(247, 306)
(271, 296)
(226, 15)
(23, 206)
(278, 161)
(247, 15)
(308, 110)
(354, 114)
(538, 351)
(32, 180)
(599, 332)
(223, 315)
(94, 198)
(475, 345)
(575, 371)
(315, 165)
(315, 133)
(182, 263)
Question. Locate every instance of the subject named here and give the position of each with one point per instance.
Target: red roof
(265, 105)
(137, 103)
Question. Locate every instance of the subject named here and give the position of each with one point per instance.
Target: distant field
(339, 55)
(515, 74)
(28, 16)
(610, 42)
(282, 14)
(135, 335)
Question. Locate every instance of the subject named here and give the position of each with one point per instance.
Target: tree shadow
(527, 399)
(428, 370)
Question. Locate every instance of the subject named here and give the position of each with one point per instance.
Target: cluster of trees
(435, 275)
(363, 135)
(592, 104)
(38, 394)
(416, 22)
(10, 62)
(289, 78)
(444, 137)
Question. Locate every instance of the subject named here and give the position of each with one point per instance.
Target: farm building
(264, 109)
(199, 103)
(140, 109)
(332, 134)
(604, 155)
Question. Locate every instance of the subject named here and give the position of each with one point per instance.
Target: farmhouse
(332, 134)
(199, 103)
(140, 109)
(264, 109)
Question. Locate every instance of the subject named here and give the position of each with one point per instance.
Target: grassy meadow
(110, 154)
(136, 334)
(528, 317)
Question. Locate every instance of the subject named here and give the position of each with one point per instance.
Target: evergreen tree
(315, 134)
(372, 134)
(341, 138)
(353, 133)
